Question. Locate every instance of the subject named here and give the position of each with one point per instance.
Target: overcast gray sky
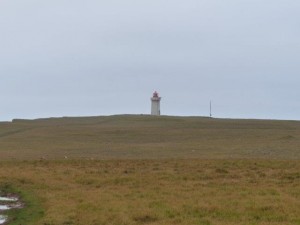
(96, 57)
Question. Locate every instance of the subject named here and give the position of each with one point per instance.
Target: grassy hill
(152, 171)
(147, 137)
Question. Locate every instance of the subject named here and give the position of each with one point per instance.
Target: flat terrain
(132, 170)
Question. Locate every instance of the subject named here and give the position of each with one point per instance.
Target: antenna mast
(210, 110)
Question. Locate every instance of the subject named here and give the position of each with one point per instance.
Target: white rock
(2, 219)
(6, 199)
(4, 207)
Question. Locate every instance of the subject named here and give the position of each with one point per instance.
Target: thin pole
(210, 112)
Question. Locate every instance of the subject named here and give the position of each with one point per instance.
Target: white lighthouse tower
(155, 106)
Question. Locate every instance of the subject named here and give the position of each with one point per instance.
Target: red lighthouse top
(155, 95)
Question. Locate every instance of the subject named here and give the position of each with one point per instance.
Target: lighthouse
(155, 106)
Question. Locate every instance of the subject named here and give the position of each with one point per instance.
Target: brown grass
(162, 192)
(133, 170)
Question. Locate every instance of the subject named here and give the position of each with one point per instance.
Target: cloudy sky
(96, 57)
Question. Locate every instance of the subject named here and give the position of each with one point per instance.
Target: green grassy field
(131, 170)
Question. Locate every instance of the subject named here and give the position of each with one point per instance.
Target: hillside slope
(147, 137)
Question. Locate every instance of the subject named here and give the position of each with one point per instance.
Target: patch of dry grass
(133, 170)
(134, 192)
